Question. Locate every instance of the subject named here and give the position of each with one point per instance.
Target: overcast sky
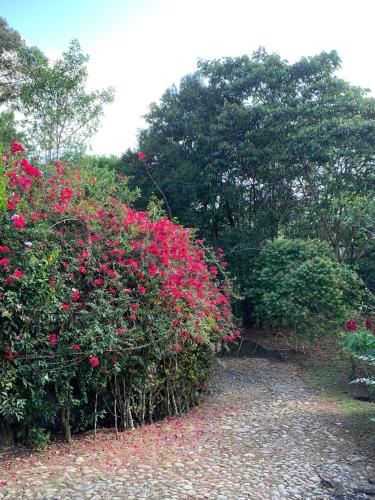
(141, 47)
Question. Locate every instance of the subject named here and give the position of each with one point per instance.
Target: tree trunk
(6, 434)
(65, 416)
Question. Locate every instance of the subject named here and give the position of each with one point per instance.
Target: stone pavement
(262, 433)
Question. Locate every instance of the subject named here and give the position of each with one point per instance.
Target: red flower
(75, 295)
(52, 339)
(351, 325)
(135, 307)
(18, 274)
(4, 249)
(4, 262)
(19, 221)
(368, 323)
(15, 148)
(76, 347)
(9, 280)
(94, 361)
(66, 307)
(82, 269)
(11, 355)
(29, 169)
(141, 156)
(66, 194)
(121, 331)
(142, 289)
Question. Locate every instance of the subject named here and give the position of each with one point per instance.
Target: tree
(60, 114)
(247, 149)
(10, 71)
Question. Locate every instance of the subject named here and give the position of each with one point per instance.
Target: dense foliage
(10, 74)
(299, 283)
(103, 310)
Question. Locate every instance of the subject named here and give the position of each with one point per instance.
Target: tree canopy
(10, 70)
(61, 114)
(250, 148)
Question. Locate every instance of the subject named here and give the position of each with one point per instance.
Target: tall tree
(252, 148)
(61, 115)
(10, 68)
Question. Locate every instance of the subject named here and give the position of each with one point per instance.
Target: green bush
(299, 284)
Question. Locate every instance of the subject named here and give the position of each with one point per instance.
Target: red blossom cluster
(116, 251)
(352, 325)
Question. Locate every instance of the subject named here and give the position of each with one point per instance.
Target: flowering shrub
(359, 342)
(300, 284)
(103, 310)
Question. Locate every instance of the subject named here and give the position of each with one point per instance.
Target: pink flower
(94, 361)
(4, 249)
(66, 307)
(142, 289)
(18, 274)
(368, 323)
(213, 270)
(121, 331)
(4, 262)
(52, 339)
(75, 295)
(177, 348)
(76, 347)
(141, 156)
(9, 280)
(82, 269)
(135, 307)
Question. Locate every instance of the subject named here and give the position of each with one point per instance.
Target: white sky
(167, 39)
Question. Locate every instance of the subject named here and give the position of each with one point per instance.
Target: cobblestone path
(262, 433)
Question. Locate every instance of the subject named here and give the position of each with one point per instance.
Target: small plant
(359, 342)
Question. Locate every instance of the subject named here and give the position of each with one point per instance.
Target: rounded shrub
(105, 313)
(300, 284)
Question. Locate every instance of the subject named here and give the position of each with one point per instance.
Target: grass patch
(332, 373)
